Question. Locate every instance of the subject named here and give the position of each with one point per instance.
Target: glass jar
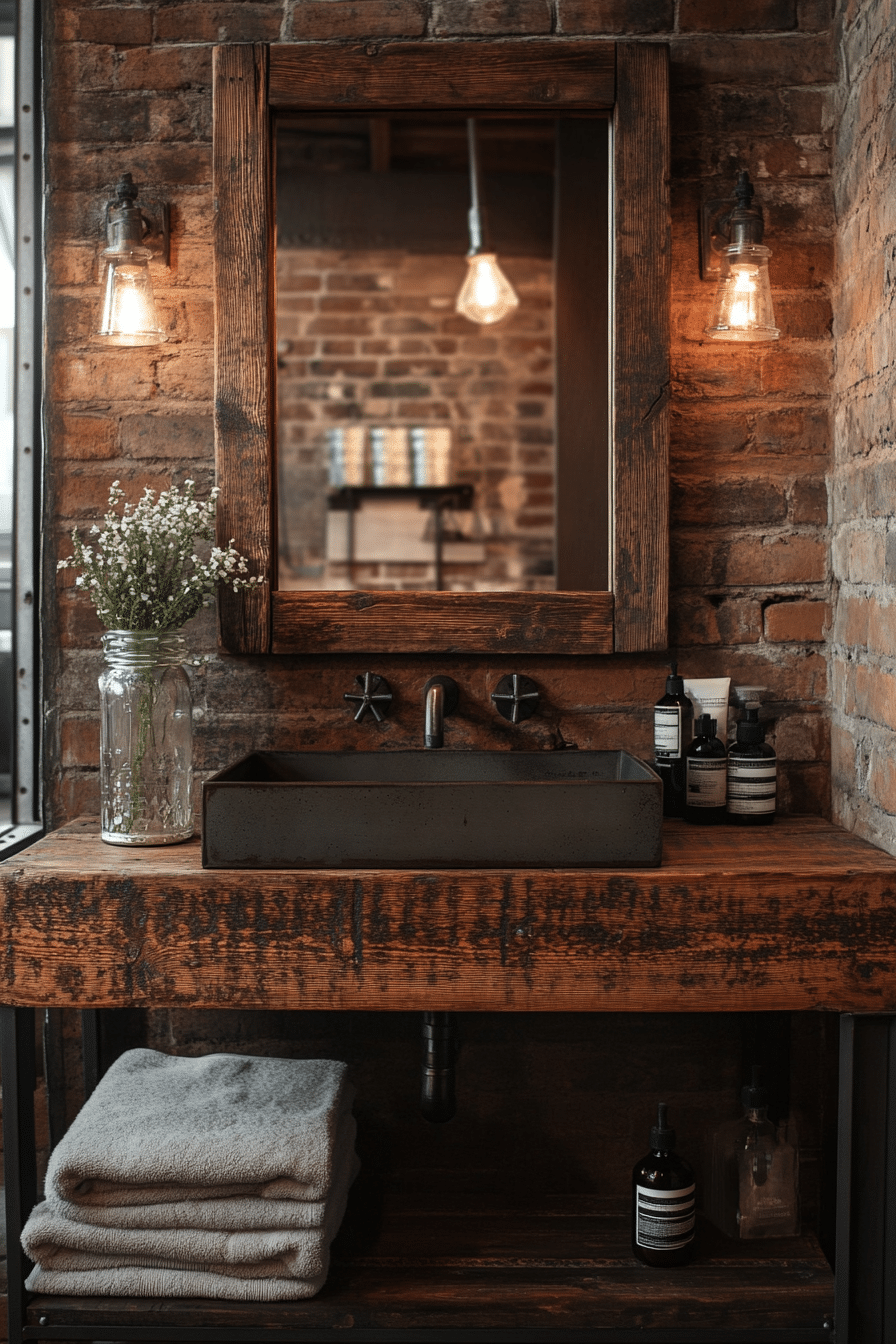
(146, 745)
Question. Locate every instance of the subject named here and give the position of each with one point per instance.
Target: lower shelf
(479, 1273)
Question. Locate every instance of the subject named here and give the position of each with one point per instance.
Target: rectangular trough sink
(433, 809)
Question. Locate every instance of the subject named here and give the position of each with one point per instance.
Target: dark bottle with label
(706, 764)
(672, 719)
(752, 774)
(664, 1201)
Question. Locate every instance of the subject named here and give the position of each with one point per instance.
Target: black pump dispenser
(706, 765)
(752, 773)
(662, 1138)
(672, 715)
(752, 1095)
(663, 1200)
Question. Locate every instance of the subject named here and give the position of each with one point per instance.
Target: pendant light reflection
(128, 316)
(742, 310)
(486, 295)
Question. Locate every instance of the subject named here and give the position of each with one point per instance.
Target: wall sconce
(486, 294)
(134, 234)
(742, 310)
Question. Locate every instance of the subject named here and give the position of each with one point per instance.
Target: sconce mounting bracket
(154, 214)
(714, 236)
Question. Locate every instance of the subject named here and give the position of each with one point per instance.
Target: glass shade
(743, 303)
(486, 295)
(129, 314)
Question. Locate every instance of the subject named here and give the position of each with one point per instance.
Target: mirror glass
(418, 449)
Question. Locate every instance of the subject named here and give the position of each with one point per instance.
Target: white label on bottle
(667, 732)
(664, 1219)
(752, 785)
(707, 777)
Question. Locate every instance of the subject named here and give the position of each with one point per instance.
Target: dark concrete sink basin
(433, 809)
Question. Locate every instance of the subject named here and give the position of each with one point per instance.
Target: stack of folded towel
(224, 1176)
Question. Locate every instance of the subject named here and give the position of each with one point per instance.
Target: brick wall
(863, 684)
(372, 340)
(752, 87)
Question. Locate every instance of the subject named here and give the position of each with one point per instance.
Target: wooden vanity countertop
(799, 915)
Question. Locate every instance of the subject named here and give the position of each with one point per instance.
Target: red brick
(164, 68)
(490, 16)
(80, 740)
(241, 22)
(794, 59)
(802, 737)
(875, 696)
(739, 621)
(809, 371)
(793, 559)
(809, 501)
(615, 16)
(882, 781)
(881, 636)
(88, 437)
(719, 16)
(736, 501)
(815, 15)
(116, 25)
(322, 19)
(799, 622)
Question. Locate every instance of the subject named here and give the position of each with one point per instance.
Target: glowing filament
(486, 294)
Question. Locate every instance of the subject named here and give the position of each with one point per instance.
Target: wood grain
(469, 75)
(441, 622)
(642, 335)
(244, 335)
(804, 918)
(462, 1264)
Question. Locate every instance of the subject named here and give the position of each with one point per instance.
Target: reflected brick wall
(129, 90)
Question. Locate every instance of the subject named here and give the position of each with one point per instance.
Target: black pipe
(437, 1099)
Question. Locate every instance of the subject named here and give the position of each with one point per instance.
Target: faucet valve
(375, 696)
(440, 697)
(516, 697)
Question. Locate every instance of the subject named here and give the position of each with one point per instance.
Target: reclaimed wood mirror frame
(628, 80)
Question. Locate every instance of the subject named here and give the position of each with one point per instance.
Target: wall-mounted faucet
(440, 697)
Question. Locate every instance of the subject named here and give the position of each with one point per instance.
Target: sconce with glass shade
(743, 310)
(486, 294)
(128, 316)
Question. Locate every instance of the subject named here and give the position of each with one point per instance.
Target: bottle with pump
(706, 764)
(664, 1201)
(752, 773)
(672, 719)
(754, 1176)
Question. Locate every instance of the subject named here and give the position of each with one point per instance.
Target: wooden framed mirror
(627, 81)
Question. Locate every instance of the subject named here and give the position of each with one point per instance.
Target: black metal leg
(866, 1182)
(19, 1079)
(90, 1048)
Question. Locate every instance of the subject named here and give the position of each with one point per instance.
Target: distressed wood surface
(469, 75)
(643, 259)
(572, 1272)
(421, 622)
(802, 916)
(244, 335)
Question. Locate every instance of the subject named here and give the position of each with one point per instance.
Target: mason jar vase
(146, 746)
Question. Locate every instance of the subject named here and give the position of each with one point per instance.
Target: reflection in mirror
(416, 448)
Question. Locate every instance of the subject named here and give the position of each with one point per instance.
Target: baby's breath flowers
(144, 573)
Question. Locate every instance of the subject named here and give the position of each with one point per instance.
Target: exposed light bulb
(486, 294)
(743, 303)
(129, 315)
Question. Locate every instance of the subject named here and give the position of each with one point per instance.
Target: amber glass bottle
(663, 1201)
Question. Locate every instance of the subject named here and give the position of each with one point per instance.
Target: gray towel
(169, 1283)
(56, 1243)
(160, 1128)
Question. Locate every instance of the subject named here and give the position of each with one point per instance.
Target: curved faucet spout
(440, 695)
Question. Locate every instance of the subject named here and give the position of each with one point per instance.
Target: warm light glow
(486, 295)
(129, 314)
(743, 303)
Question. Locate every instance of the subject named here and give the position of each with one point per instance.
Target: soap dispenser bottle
(664, 1201)
(754, 1175)
(672, 727)
(752, 773)
(706, 770)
